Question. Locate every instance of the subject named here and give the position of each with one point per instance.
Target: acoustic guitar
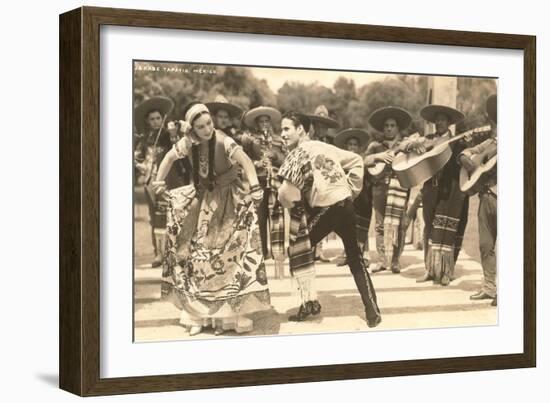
(413, 169)
(485, 164)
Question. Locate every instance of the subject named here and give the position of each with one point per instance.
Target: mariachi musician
(149, 118)
(224, 114)
(322, 125)
(445, 207)
(265, 147)
(389, 198)
(487, 213)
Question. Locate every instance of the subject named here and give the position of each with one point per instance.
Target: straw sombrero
(250, 117)
(222, 103)
(321, 116)
(341, 138)
(379, 117)
(491, 107)
(430, 112)
(162, 104)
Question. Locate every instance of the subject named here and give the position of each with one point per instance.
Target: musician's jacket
(491, 184)
(324, 174)
(147, 158)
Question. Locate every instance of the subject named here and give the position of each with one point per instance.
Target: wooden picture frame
(79, 317)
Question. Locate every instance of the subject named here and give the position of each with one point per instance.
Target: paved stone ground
(404, 303)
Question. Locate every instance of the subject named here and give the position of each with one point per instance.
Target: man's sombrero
(430, 112)
(250, 117)
(222, 103)
(162, 104)
(321, 116)
(379, 117)
(361, 135)
(491, 107)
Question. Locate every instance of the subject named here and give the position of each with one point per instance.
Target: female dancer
(213, 267)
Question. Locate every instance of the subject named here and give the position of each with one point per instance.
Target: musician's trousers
(487, 225)
(379, 196)
(341, 219)
(429, 203)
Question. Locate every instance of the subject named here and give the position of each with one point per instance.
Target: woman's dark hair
(298, 119)
(195, 153)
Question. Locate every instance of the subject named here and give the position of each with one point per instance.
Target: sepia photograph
(274, 201)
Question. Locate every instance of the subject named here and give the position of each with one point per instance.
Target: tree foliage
(349, 105)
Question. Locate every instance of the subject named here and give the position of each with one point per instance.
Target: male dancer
(320, 180)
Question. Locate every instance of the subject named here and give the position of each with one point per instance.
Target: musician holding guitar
(389, 198)
(487, 213)
(445, 207)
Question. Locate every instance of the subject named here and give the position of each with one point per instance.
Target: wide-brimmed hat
(162, 104)
(220, 102)
(321, 116)
(250, 117)
(379, 117)
(430, 112)
(361, 135)
(491, 107)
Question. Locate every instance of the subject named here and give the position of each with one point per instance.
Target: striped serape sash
(446, 236)
(396, 203)
(301, 255)
(277, 226)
